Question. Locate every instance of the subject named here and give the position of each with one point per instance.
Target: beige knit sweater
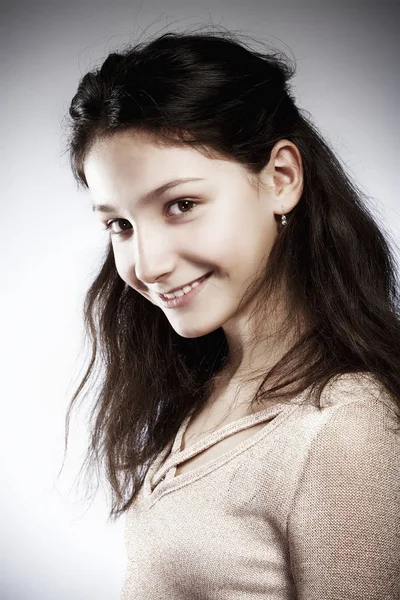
(307, 508)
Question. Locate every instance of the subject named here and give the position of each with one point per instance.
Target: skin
(230, 231)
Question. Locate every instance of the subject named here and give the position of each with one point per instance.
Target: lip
(185, 298)
(190, 283)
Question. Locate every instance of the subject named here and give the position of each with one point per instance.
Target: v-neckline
(161, 475)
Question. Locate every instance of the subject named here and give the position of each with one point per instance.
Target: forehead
(135, 157)
(138, 157)
(130, 160)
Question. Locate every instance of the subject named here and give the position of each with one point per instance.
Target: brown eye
(183, 202)
(110, 223)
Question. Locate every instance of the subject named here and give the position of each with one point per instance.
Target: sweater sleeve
(344, 523)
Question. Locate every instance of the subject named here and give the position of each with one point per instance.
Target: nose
(154, 258)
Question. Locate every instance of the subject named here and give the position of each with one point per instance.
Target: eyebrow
(156, 193)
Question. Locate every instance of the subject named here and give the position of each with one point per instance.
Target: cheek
(247, 245)
(126, 270)
(222, 234)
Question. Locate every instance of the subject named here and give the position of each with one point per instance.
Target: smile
(184, 295)
(185, 288)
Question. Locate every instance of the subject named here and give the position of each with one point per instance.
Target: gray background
(52, 544)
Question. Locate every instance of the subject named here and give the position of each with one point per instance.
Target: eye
(183, 201)
(110, 223)
(125, 232)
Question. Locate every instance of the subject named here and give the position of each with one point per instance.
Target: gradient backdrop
(54, 546)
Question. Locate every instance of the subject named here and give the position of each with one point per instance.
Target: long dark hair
(212, 91)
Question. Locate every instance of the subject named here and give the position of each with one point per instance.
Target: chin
(195, 327)
(191, 332)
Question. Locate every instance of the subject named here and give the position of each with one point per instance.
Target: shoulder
(352, 404)
(355, 387)
(349, 394)
(357, 437)
(356, 412)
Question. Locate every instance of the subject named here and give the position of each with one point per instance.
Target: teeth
(182, 291)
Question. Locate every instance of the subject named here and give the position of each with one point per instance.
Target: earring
(283, 219)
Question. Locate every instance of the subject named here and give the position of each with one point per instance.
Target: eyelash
(123, 233)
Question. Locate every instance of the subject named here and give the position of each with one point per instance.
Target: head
(222, 224)
(206, 106)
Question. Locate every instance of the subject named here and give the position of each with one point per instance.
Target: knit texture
(307, 508)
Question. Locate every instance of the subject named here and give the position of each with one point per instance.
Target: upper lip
(182, 286)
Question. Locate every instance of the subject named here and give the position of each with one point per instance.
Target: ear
(284, 177)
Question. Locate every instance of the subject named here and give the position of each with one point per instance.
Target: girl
(246, 316)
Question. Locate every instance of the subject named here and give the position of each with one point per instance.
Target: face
(218, 224)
